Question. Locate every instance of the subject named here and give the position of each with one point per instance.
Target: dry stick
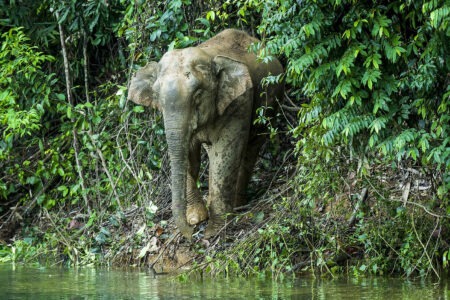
(63, 238)
(132, 150)
(421, 206)
(130, 72)
(166, 244)
(289, 108)
(433, 252)
(125, 162)
(362, 198)
(86, 91)
(283, 164)
(409, 202)
(425, 247)
(69, 99)
(105, 168)
(85, 62)
(35, 198)
(66, 61)
(293, 107)
(405, 193)
(283, 108)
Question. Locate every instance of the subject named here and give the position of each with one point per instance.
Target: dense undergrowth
(356, 178)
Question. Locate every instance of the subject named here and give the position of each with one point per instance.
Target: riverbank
(356, 178)
(367, 228)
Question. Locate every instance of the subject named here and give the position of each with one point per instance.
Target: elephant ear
(141, 86)
(233, 81)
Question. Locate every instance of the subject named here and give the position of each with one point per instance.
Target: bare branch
(70, 100)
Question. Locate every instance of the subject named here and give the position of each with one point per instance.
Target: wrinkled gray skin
(208, 96)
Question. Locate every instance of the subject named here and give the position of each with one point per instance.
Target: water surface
(19, 282)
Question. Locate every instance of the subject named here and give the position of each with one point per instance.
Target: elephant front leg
(225, 159)
(196, 211)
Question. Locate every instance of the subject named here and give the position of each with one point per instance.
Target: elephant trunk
(176, 122)
(178, 143)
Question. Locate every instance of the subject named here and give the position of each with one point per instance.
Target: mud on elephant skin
(208, 96)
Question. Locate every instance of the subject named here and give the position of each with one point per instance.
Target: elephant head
(192, 89)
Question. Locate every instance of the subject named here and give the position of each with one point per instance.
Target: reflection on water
(31, 283)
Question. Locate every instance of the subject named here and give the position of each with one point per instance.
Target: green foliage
(375, 74)
(88, 157)
(26, 96)
(25, 87)
(269, 251)
(21, 251)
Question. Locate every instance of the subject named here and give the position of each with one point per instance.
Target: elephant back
(230, 42)
(235, 44)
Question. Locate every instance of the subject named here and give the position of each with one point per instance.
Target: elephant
(208, 95)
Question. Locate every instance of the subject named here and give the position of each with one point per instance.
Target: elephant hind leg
(246, 169)
(196, 211)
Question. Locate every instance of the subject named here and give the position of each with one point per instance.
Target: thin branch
(151, 267)
(293, 106)
(70, 100)
(66, 60)
(405, 195)
(421, 206)
(430, 261)
(63, 239)
(362, 198)
(105, 168)
(289, 108)
(409, 202)
(85, 63)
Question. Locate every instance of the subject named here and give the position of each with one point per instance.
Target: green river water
(19, 282)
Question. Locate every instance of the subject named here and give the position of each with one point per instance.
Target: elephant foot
(196, 213)
(218, 215)
(213, 228)
(184, 228)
